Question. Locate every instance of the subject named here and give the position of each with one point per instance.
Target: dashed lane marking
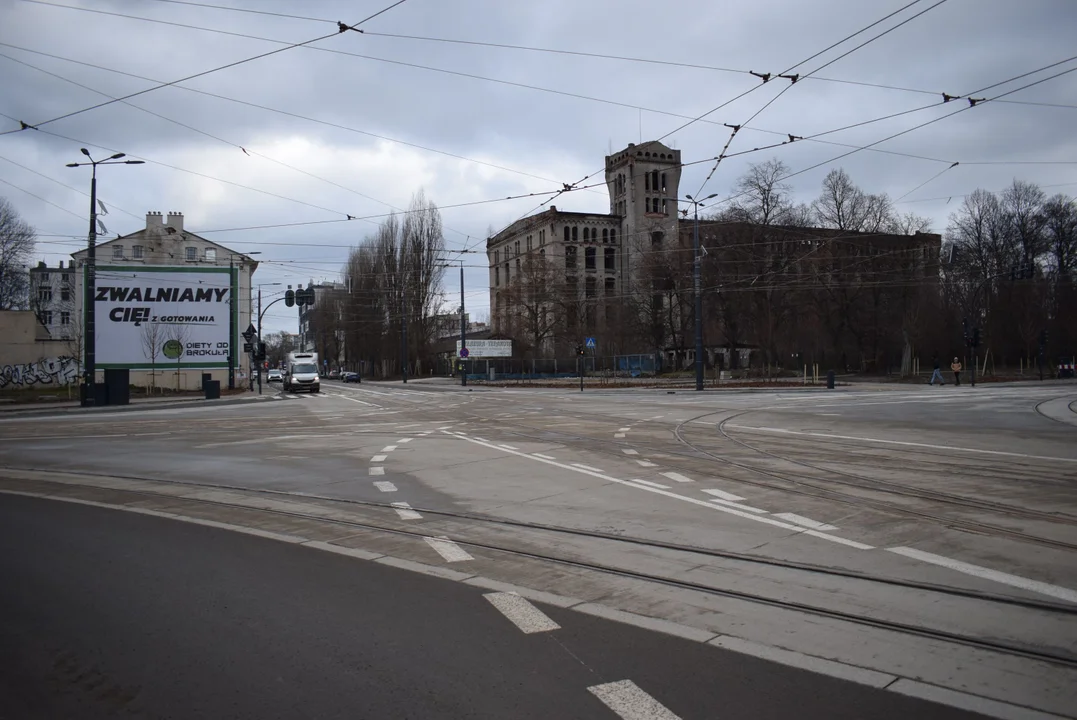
(630, 702)
(378, 458)
(738, 506)
(448, 549)
(806, 522)
(377, 470)
(618, 435)
(646, 463)
(677, 477)
(544, 457)
(623, 429)
(652, 484)
(508, 447)
(385, 486)
(403, 441)
(522, 613)
(405, 512)
(721, 494)
(587, 467)
(629, 451)
(388, 448)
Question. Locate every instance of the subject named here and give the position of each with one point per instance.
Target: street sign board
(464, 352)
(590, 343)
(250, 332)
(247, 347)
(486, 348)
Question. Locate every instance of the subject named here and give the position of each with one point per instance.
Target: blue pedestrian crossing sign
(590, 343)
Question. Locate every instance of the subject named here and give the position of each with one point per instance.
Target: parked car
(351, 377)
(274, 376)
(333, 375)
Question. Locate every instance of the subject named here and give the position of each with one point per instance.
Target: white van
(301, 373)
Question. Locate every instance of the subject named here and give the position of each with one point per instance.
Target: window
(117, 252)
(497, 276)
(497, 257)
(611, 286)
(663, 182)
(517, 248)
(665, 207)
(65, 279)
(43, 277)
(656, 238)
(589, 258)
(529, 243)
(610, 254)
(575, 233)
(542, 253)
(613, 236)
(542, 237)
(517, 267)
(65, 317)
(570, 258)
(654, 180)
(586, 234)
(136, 252)
(211, 255)
(46, 317)
(507, 275)
(567, 234)
(647, 182)
(190, 254)
(44, 294)
(590, 287)
(605, 235)
(65, 294)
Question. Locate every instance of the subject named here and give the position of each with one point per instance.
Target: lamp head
(85, 152)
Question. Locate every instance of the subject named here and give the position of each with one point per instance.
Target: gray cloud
(957, 47)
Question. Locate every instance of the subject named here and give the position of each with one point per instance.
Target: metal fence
(619, 366)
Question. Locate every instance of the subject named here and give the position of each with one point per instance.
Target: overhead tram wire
(796, 77)
(342, 28)
(69, 187)
(50, 202)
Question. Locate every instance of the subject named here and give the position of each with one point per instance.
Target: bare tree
(908, 224)
(176, 337)
(17, 240)
(153, 337)
(533, 310)
(764, 198)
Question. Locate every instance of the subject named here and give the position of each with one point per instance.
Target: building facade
(165, 244)
(321, 325)
(52, 298)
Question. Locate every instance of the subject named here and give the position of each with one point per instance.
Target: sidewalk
(75, 406)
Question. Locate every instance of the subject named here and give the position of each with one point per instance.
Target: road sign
(250, 332)
(590, 343)
(464, 352)
(247, 347)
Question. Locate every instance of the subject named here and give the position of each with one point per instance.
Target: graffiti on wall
(47, 371)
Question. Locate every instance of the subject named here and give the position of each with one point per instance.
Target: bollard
(829, 379)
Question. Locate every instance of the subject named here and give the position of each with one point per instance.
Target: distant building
(321, 325)
(52, 298)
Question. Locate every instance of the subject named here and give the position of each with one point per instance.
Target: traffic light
(289, 298)
(261, 351)
(975, 337)
(580, 350)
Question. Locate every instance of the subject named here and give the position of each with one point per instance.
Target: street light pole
(89, 331)
(696, 260)
(259, 346)
(231, 323)
(463, 328)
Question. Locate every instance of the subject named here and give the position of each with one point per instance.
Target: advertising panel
(163, 316)
(487, 348)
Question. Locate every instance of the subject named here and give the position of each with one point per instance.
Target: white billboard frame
(486, 348)
(117, 347)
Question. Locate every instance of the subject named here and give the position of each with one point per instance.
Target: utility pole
(89, 340)
(231, 323)
(403, 338)
(696, 271)
(258, 347)
(463, 330)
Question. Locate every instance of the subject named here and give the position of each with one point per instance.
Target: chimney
(61, 264)
(175, 220)
(153, 220)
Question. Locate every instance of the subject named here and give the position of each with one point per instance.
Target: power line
(245, 10)
(50, 202)
(342, 28)
(62, 184)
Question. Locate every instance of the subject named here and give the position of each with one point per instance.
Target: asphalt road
(105, 614)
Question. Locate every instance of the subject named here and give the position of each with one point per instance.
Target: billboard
(487, 348)
(180, 312)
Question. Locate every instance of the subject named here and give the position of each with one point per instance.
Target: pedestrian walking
(956, 367)
(937, 374)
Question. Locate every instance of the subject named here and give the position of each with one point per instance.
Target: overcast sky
(388, 128)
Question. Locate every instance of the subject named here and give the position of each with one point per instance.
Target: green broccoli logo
(173, 349)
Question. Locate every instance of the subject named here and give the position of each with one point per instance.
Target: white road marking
(544, 457)
(378, 458)
(738, 506)
(901, 442)
(401, 427)
(385, 486)
(721, 494)
(677, 477)
(652, 484)
(522, 613)
(1017, 581)
(630, 702)
(483, 439)
(684, 498)
(618, 435)
(646, 463)
(629, 451)
(448, 549)
(377, 470)
(447, 427)
(508, 447)
(402, 441)
(586, 467)
(623, 429)
(805, 522)
(388, 448)
(405, 512)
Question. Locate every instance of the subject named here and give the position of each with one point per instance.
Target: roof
(551, 215)
(174, 237)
